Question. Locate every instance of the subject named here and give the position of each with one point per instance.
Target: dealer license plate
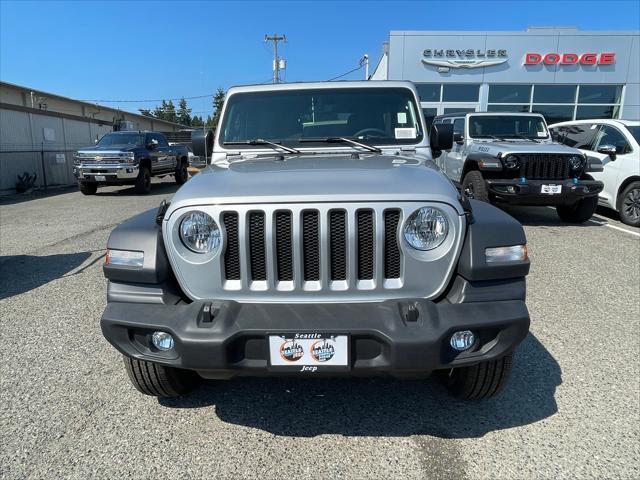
(308, 352)
(101, 178)
(551, 189)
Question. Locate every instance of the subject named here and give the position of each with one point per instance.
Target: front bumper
(399, 337)
(528, 192)
(112, 172)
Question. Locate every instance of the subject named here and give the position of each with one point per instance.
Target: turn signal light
(124, 258)
(515, 253)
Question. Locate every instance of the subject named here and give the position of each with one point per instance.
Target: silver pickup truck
(129, 158)
(322, 240)
(511, 158)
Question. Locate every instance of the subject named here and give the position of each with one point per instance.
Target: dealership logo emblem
(469, 58)
(98, 158)
(291, 351)
(322, 351)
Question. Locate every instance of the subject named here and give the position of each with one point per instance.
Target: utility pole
(365, 61)
(275, 38)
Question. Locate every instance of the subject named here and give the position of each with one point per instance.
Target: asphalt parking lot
(571, 409)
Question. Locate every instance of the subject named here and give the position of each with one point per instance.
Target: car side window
(579, 136)
(458, 126)
(162, 141)
(609, 135)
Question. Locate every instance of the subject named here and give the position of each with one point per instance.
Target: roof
(82, 102)
(612, 121)
(320, 85)
(493, 114)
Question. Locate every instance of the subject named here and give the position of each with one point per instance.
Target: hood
(318, 178)
(523, 146)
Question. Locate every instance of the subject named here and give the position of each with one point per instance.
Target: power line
(145, 101)
(345, 74)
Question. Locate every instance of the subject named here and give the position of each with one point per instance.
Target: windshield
(378, 115)
(122, 140)
(635, 131)
(507, 126)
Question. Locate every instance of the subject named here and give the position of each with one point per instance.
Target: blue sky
(165, 49)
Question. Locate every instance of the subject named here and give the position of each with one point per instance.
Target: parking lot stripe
(605, 224)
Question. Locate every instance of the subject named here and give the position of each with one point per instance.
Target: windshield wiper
(262, 141)
(366, 146)
(523, 137)
(489, 136)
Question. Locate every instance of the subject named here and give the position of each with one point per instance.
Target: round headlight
(199, 232)
(576, 161)
(511, 161)
(426, 228)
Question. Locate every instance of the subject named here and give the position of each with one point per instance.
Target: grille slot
(311, 245)
(257, 246)
(366, 241)
(232, 252)
(545, 166)
(338, 244)
(284, 246)
(391, 247)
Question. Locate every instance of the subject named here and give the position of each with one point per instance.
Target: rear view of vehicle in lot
(511, 158)
(616, 143)
(326, 243)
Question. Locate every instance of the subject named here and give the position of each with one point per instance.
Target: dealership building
(563, 73)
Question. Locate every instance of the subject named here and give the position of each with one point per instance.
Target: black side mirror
(610, 150)
(441, 137)
(202, 142)
(152, 144)
(458, 138)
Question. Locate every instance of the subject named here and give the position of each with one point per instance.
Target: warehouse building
(40, 131)
(563, 73)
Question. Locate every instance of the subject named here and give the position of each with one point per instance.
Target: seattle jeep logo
(291, 351)
(446, 59)
(322, 351)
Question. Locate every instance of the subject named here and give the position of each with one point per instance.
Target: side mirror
(458, 138)
(202, 142)
(152, 144)
(608, 150)
(441, 137)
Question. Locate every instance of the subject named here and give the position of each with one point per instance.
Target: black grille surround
(257, 246)
(232, 252)
(545, 166)
(284, 245)
(338, 244)
(366, 240)
(392, 259)
(311, 245)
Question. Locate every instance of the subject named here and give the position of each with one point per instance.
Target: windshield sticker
(405, 133)
(542, 134)
(402, 117)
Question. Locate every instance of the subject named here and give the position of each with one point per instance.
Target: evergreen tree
(196, 121)
(170, 112)
(146, 112)
(184, 113)
(160, 112)
(218, 103)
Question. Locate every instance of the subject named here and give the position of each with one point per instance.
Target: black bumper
(528, 192)
(401, 338)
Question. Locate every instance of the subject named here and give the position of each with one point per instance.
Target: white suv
(616, 143)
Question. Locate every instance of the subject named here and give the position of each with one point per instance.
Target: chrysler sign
(445, 59)
(553, 58)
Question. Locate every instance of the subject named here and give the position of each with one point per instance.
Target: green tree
(184, 113)
(170, 112)
(196, 121)
(161, 111)
(146, 112)
(218, 103)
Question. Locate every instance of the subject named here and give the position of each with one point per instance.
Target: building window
(585, 112)
(508, 108)
(554, 94)
(460, 92)
(462, 110)
(600, 94)
(429, 92)
(555, 113)
(429, 114)
(510, 94)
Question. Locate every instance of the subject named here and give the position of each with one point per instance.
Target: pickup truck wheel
(160, 381)
(474, 186)
(479, 381)
(630, 205)
(88, 188)
(143, 182)
(182, 174)
(579, 212)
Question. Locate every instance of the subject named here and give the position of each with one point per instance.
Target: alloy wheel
(631, 204)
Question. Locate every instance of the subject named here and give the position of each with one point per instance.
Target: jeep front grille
(545, 166)
(281, 238)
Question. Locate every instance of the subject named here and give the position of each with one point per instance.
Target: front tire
(88, 188)
(579, 212)
(158, 380)
(630, 205)
(143, 182)
(474, 186)
(182, 172)
(480, 381)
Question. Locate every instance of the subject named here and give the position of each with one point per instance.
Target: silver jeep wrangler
(511, 158)
(321, 240)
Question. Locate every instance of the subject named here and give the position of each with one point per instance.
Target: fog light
(462, 340)
(515, 253)
(162, 341)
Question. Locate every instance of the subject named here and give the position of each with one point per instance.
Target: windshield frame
(127, 145)
(510, 136)
(303, 145)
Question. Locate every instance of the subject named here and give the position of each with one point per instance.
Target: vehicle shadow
(540, 216)
(160, 188)
(22, 273)
(382, 406)
(52, 191)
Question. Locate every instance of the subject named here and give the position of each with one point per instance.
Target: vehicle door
(454, 160)
(166, 155)
(614, 170)
(153, 152)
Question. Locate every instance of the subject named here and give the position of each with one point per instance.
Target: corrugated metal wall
(41, 144)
